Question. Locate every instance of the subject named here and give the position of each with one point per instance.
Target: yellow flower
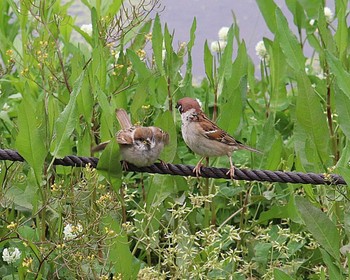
(27, 262)
(12, 225)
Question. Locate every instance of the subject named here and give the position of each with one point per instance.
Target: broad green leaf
(340, 73)
(298, 13)
(326, 34)
(66, 121)
(208, 63)
(238, 71)
(138, 65)
(98, 69)
(273, 160)
(310, 116)
(109, 164)
(342, 104)
(107, 118)
(278, 71)
(157, 44)
(343, 163)
(140, 39)
(119, 254)
(342, 34)
(188, 88)
(268, 8)
(275, 212)
(231, 110)
(334, 271)
(30, 141)
(166, 122)
(320, 226)
(85, 101)
(311, 7)
(281, 275)
(111, 9)
(289, 43)
(225, 70)
(139, 98)
(192, 35)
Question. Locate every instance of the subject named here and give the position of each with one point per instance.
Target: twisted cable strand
(206, 172)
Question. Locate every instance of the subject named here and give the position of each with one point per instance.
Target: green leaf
(321, 227)
(139, 98)
(343, 168)
(309, 115)
(119, 253)
(208, 63)
(273, 160)
(334, 271)
(275, 212)
(107, 116)
(278, 67)
(289, 43)
(342, 104)
(138, 65)
(157, 44)
(281, 275)
(268, 8)
(340, 73)
(342, 34)
(66, 121)
(30, 141)
(109, 164)
(192, 35)
(113, 8)
(166, 122)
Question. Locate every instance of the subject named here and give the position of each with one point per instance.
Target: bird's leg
(231, 172)
(197, 168)
(124, 165)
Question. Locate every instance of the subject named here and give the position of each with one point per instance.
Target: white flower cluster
(71, 231)
(261, 51)
(87, 28)
(219, 46)
(328, 14)
(11, 255)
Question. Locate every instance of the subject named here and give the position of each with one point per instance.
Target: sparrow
(139, 145)
(204, 137)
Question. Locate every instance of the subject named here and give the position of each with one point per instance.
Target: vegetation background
(58, 97)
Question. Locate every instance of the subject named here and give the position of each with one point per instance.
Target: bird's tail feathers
(245, 147)
(123, 119)
(99, 147)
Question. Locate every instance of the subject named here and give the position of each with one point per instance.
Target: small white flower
(312, 22)
(70, 231)
(261, 51)
(87, 28)
(223, 33)
(218, 46)
(11, 255)
(328, 14)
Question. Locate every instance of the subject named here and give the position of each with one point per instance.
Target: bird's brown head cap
(187, 103)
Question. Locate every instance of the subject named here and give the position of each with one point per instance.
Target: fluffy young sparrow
(204, 137)
(139, 145)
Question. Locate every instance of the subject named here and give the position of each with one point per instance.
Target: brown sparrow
(140, 146)
(204, 137)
